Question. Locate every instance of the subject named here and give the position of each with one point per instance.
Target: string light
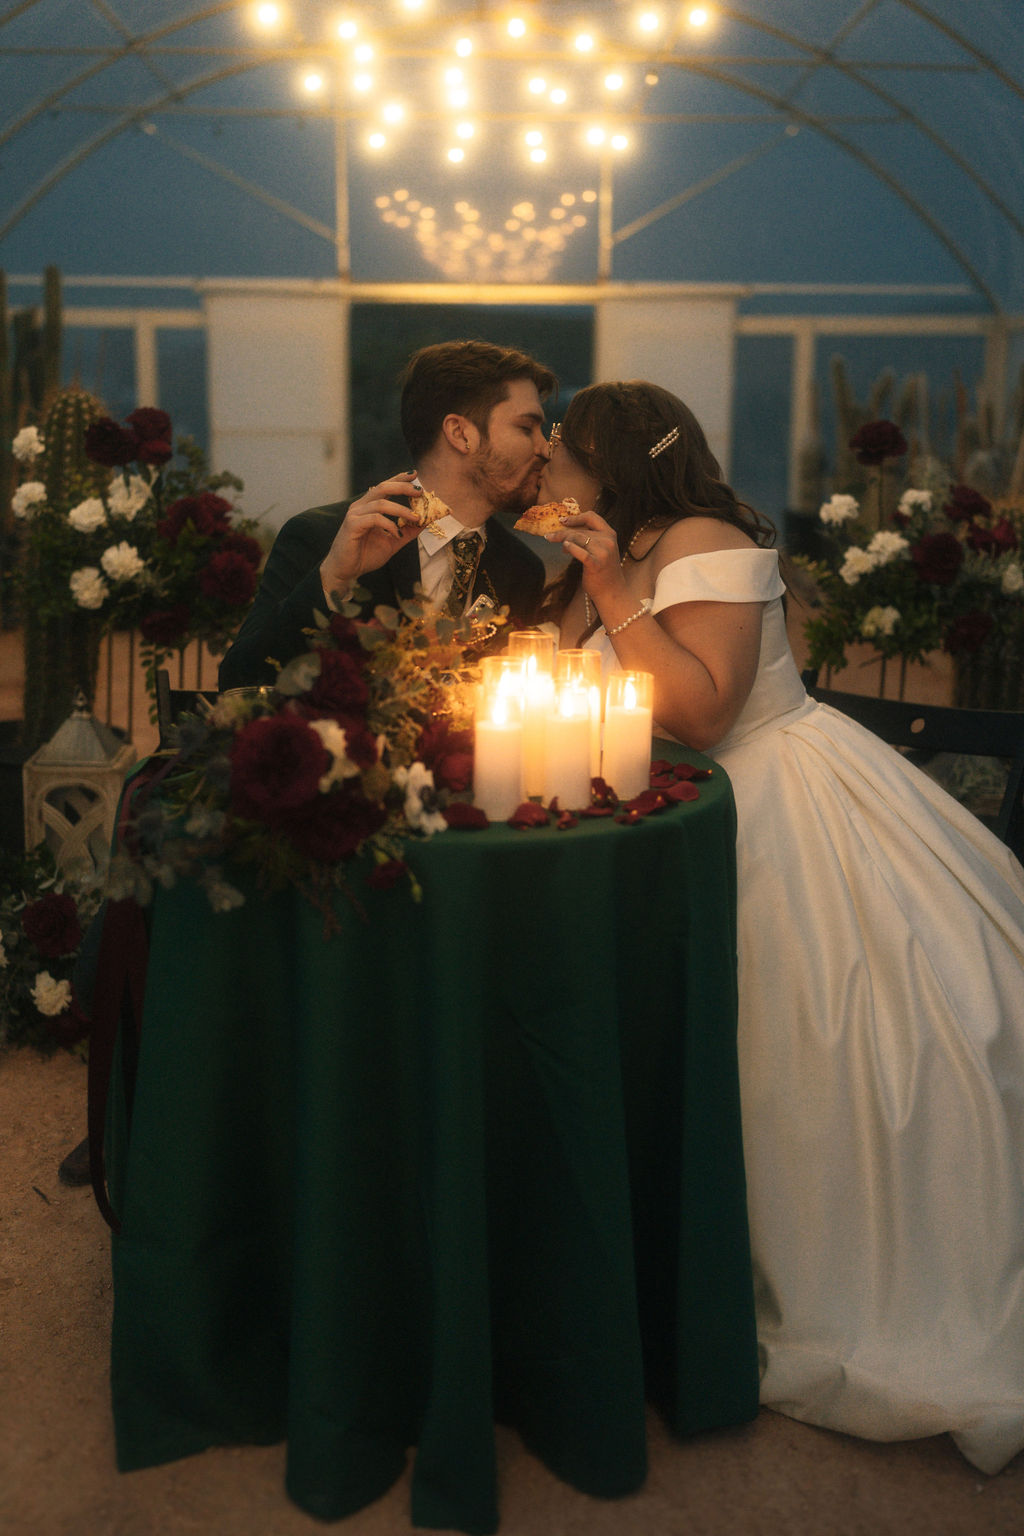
(464, 47)
(393, 112)
(464, 130)
(516, 27)
(455, 154)
(537, 86)
(377, 140)
(453, 76)
(613, 82)
(268, 16)
(534, 136)
(596, 135)
(362, 83)
(583, 42)
(648, 21)
(538, 156)
(699, 16)
(363, 54)
(558, 97)
(347, 29)
(312, 83)
(619, 141)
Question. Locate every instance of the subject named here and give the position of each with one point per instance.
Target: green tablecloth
(473, 1159)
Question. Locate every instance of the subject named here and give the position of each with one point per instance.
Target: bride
(881, 960)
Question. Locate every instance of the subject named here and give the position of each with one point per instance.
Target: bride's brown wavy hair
(610, 430)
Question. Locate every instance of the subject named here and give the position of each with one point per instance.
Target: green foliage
(24, 881)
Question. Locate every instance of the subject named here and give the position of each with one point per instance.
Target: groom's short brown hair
(468, 378)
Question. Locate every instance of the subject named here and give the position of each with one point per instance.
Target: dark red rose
(206, 513)
(938, 557)
(165, 626)
(992, 541)
(110, 444)
(449, 755)
(242, 544)
(333, 826)
(52, 925)
(148, 422)
(877, 441)
(345, 635)
(228, 579)
(964, 504)
(340, 688)
(72, 1025)
(968, 633)
(465, 818)
(156, 451)
(383, 876)
(276, 766)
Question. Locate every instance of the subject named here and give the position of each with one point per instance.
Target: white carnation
(27, 496)
(51, 997)
(88, 515)
(418, 783)
(88, 587)
(885, 546)
(126, 500)
(334, 739)
(839, 509)
(911, 501)
(879, 621)
(857, 562)
(1013, 580)
(27, 445)
(122, 561)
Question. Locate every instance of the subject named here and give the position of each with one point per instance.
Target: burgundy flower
(156, 451)
(276, 766)
(165, 626)
(242, 544)
(968, 633)
(877, 441)
(449, 754)
(938, 557)
(206, 513)
(52, 925)
(72, 1025)
(345, 634)
(992, 541)
(149, 423)
(110, 444)
(228, 579)
(965, 504)
(340, 688)
(465, 818)
(334, 826)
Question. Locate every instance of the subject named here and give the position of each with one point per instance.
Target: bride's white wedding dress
(881, 1042)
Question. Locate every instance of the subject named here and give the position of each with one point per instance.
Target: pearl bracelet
(631, 620)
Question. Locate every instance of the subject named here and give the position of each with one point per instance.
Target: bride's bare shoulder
(699, 536)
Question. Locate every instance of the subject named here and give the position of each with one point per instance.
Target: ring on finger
(586, 542)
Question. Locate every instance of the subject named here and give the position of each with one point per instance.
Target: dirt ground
(57, 1473)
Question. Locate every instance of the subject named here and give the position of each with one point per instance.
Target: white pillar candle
(582, 669)
(498, 760)
(628, 723)
(567, 766)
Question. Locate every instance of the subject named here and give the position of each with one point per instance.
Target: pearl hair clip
(663, 443)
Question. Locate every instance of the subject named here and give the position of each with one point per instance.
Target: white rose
(126, 500)
(886, 546)
(334, 739)
(856, 563)
(839, 509)
(122, 561)
(51, 997)
(879, 621)
(416, 781)
(222, 896)
(88, 515)
(1013, 580)
(912, 500)
(88, 587)
(27, 445)
(27, 496)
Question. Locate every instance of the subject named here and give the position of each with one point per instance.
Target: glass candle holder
(534, 652)
(567, 760)
(628, 724)
(582, 669)
(498, 738)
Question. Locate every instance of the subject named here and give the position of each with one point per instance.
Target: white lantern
(72, 787)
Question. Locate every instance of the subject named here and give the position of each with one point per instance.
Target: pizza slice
(425, 508)
(547, 517)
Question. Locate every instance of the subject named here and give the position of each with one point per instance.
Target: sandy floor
(57, 1474)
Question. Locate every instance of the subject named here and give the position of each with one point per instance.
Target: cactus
(61, 654)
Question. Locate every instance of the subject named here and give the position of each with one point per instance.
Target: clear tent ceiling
(770, 142)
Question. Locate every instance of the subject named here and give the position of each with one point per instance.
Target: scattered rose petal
(566, 820)
(528, 815)
(465, 818)
(684, 790)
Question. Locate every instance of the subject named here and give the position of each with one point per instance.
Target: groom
(473, 420)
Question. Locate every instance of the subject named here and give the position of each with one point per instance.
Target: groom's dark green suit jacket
(291, 592)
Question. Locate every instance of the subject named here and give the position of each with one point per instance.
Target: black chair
(174, 702)
(924, 730)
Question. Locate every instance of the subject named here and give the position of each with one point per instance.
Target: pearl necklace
(591, 612)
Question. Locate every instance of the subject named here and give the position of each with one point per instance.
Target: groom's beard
(506, 484)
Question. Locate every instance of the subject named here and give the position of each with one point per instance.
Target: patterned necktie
(466, 547)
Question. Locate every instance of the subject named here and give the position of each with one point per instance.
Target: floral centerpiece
(117, 535)
(42, 923)
(934, 565)
(362, 743)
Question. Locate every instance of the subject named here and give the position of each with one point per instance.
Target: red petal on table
(683, 791)
(528, 815)
(602, 793)
(465, 818)
(659, 767)
(566, 820)
(596, 810)
(662, 780)
(688, 771)
(629, 818)
(648, 801)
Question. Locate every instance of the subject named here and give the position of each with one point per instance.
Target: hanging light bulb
(347, 29)
(312, 82)
(456, 153)
(516, 27)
